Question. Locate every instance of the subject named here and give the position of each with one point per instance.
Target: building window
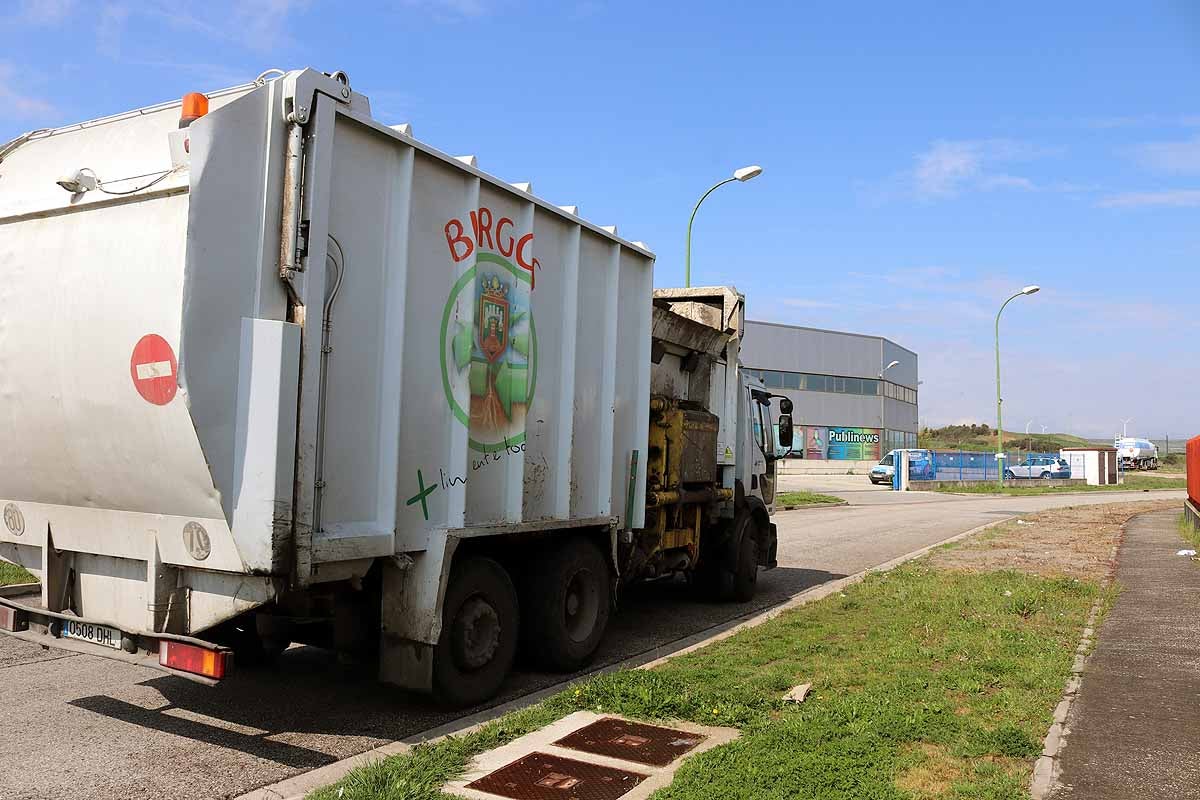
(869, 387)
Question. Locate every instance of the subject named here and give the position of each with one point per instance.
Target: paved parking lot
(79, 726)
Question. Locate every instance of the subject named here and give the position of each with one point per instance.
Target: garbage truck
(274, 372)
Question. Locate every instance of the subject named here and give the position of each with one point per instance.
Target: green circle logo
(489, 352)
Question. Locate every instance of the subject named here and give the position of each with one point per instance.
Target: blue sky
(922, 160)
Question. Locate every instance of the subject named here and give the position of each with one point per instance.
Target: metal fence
(962, 465)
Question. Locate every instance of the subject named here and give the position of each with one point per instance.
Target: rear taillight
(13, 620)
(190, 658)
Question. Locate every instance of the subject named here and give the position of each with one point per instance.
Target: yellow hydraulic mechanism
(681, 475)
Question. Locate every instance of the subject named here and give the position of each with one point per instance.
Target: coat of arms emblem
(493, 318)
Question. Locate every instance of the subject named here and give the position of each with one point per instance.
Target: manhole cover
(632, 741)
(538, 776)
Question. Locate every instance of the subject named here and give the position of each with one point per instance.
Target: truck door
(763, 461)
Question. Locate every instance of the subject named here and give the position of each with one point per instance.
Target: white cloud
(259, 25)
(1172, 198)
(945, 167)
(1180, 156)
(951, 167)
(255, 25)
(17, 102)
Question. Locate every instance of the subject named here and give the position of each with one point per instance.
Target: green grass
(1188, 531)
(1175, 462)
(927, 683)
(1133, 483)
(804, 498)
(11, 573)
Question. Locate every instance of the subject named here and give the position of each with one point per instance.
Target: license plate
(89, 632)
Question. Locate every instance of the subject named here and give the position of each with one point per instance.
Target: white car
(1040, 467)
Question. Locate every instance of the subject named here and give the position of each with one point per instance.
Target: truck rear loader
(272, 371)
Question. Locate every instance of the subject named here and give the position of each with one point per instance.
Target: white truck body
(303, 343)
(1136, 453)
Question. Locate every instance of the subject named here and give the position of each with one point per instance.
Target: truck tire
(480, 619)
(566, 604)
(745, 569)
(730, 572)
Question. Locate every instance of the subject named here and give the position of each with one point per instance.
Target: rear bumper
(39, 626)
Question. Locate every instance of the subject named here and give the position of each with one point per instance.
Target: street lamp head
(1031, 290)
(889, 366)
(746, 173)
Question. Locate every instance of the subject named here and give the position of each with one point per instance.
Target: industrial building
(851, 402)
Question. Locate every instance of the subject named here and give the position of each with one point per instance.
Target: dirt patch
(934, 774)
(1076, 542)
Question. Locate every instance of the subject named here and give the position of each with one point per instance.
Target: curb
(297, 786)
(806, 506)
(1101, 492)
(1046, 768)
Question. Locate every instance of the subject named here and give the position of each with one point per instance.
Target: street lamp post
(744, 174)
(882, 427)
(999, 400)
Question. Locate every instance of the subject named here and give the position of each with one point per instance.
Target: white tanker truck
(272, 371)
(1136, 453)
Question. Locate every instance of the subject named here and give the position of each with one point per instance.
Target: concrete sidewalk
(1134, 728)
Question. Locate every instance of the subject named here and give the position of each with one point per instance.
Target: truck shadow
(309, 709)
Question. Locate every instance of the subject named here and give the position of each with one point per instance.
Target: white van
(921, 465)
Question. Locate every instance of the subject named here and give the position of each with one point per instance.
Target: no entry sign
(154, 370)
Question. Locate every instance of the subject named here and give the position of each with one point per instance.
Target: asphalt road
(77, 726)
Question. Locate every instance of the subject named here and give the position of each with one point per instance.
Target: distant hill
(982, 438)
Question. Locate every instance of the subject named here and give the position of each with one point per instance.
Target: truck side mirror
(785, 430)
(785, 405)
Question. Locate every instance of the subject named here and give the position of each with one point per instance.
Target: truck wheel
(730, 572)
(566, 604)
(745, 571)
(479, 633)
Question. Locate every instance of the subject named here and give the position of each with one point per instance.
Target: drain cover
(538, 776)
(632, 741)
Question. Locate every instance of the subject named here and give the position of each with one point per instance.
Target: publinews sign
(843, 444)
(854, 444)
